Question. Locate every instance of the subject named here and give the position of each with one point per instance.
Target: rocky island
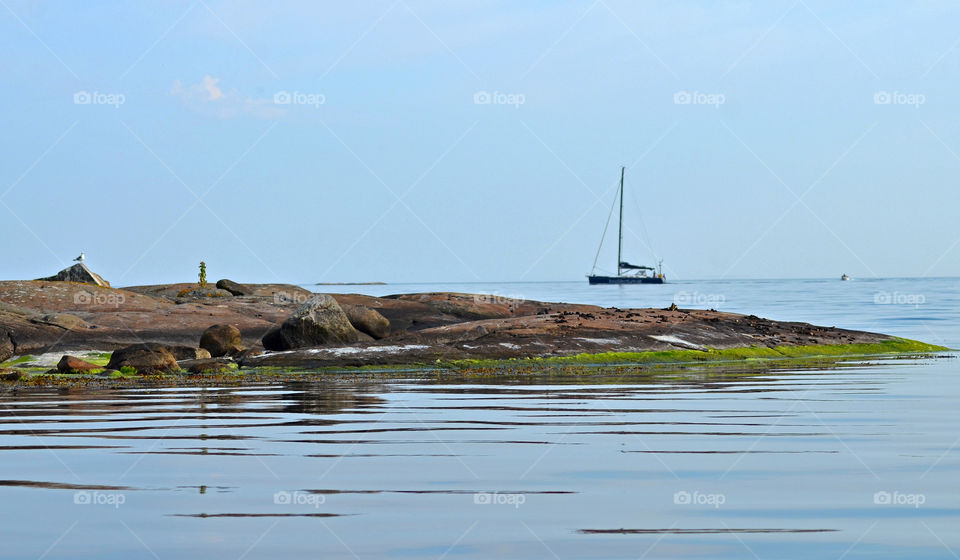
(172, 328)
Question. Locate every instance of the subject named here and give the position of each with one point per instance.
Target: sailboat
(626, 273)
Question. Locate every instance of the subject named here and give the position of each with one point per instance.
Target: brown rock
(221, 340)
(145, 358)
(78, 273)
(189, 353)
(120, 317)
(319, 321)
(248, 353)
(62, 320)
(367, 320)
(213, 365)
(423, 327)
(235, 288)
(9, 375)
(277, 294)
(363, 337)
(6, 347)
(72, 364)
(273, 340)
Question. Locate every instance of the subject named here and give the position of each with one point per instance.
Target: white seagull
(81, 257)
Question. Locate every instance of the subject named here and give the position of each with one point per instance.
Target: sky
(412, 141)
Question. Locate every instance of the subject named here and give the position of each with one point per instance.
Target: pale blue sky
(398, 175)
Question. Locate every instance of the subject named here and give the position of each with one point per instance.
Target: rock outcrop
(317, 322)
(189, 353)
(72, 364)
(367, 320)
(276, 294)
(222, 340)
(145, 358)
(62, 320)
(273, 340)
(78, 273)
(114, 318)
(236, 288)
(65, 317)
(6, 348)
(212, 365)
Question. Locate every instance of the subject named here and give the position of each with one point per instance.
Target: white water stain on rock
(603, 341)
(349, 350)
(677, 341)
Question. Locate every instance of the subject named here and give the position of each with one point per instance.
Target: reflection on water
(855, 462)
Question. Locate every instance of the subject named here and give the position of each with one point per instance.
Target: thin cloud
(208, 98)
(210, 84)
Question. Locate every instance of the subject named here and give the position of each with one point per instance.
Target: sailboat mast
(620, 228)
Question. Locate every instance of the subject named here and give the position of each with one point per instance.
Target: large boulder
(236, 288)
(212, 365)
(317, 322)
(78, 273)
(367, 320)
(273, 340)
(72, 364)
(221, 340)
(145, 358)
(6, 347)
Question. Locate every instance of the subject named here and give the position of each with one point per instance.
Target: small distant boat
(844, 277)
(626, 273)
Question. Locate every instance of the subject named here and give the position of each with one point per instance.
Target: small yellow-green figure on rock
(203, 274)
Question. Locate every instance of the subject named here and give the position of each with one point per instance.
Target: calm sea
(857, 462)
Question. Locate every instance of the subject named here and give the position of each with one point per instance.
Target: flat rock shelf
(436, 330)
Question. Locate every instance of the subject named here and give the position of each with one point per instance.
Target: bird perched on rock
(80, 258)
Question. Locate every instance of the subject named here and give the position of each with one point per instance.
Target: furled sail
(627, 266)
